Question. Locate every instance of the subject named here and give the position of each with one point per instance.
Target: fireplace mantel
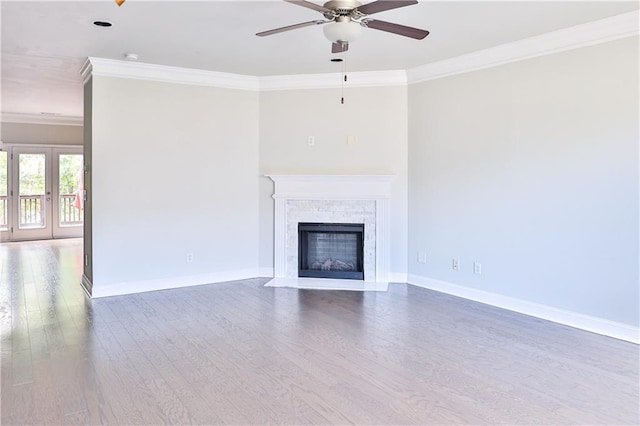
(350, 197)
(332, 187)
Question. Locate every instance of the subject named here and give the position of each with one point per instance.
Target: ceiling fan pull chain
(344, 64)
(344, 73)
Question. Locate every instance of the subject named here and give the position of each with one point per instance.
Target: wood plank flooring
(240, 353)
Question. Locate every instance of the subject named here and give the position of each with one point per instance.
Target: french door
(44, 196)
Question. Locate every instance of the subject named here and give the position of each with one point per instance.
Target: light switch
(352, 140)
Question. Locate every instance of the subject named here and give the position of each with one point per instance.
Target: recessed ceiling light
(102, 23)
(131, 56)
(336, 60)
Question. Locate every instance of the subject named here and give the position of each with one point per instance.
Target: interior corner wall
(42, 134)
(531, 168)
(174, 172)
(376, 116)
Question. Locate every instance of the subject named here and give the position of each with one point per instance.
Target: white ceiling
(44, 44)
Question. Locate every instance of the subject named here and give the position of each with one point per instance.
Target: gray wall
(376, 116)
(43, 134)
(174, 170)
(531, 168)
(88, 167)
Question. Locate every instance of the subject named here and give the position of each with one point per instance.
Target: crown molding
(591, 33)
(163, 73)
(86, 70)
(52, 120)
(333, 80)
(113, 68)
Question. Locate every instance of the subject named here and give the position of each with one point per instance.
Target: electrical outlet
(352, 140)
(455, 265)
(189, 257)
(422, 257)
(477, 268)
(311, 140)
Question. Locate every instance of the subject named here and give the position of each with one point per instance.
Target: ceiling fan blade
(402, 30)
(310, 5)
(290, 27)
(339, 47)
(382, 5)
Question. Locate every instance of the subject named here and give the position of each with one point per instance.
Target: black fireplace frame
(351, 228)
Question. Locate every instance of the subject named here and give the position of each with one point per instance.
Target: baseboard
(398, 277)
(573, 319)
(86, 285)
(131, 287)
(265, 272)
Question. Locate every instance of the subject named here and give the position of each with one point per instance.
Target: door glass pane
(31, 183)
(4, 208)
(71, 189)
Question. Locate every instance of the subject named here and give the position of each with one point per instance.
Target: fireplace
(332, 199)
(331, 250)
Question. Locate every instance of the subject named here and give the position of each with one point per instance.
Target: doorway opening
(41, 193)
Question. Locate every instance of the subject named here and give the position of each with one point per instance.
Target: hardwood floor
(240, 353)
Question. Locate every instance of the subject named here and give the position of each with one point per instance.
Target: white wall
(532, 169)
(377, 116)
(174, 171)
(43, 134)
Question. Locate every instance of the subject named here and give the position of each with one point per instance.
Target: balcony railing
(32, 214)
(69, 214)
(4, 213)
(31, 211)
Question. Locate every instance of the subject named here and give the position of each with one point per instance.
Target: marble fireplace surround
(332, 199)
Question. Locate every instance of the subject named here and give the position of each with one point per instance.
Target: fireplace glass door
(331, 250)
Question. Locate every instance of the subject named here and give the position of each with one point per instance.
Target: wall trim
(588, 34)
(51, 120)
(86, 285)
(596, 325)
(163, 73)
(168, 74)
(131, 287)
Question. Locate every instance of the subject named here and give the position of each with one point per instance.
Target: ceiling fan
(345, 19)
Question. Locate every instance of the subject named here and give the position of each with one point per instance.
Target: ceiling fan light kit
(342, 31)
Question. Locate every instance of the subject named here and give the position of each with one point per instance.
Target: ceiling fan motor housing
(342, 4)
(341, 8)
